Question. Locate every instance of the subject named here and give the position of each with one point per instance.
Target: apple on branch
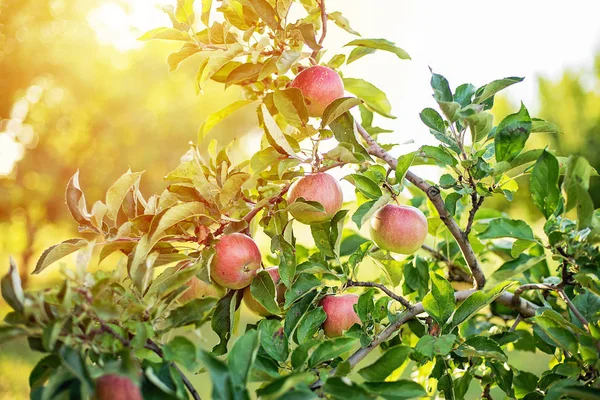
(254, 306)
(116, 387)
(340, 313)
(321, 188)
(320, 86)
(236, 261)
(399, 229)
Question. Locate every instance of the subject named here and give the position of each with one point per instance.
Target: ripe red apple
(236, 261)
(340, 313)
(254, 306)
(319, 187)
(117, 387)
(320, 86)
(400, 229)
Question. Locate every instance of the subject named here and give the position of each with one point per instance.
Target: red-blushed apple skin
(322, 188)
(399, 229)
(340, 313)
(320, 86)
(254, 305)
(197, 289)
(116, 387)
(236, 261)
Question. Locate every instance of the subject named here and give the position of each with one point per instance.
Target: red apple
(236, 261)
(399, 229)
(117, 387)
(320, 86)
(254, 305)
(319, 187)
(340, 313)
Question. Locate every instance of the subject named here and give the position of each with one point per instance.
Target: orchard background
(65, 110)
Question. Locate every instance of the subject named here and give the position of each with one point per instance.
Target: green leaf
(302, 285)
(489, 90)
(241, 358)
(481, 346)
(439, 154)
(544, 184)
(266, 12)
(476, 302)
(12, 291)
(345, 131)
(219, 375)
(404, 163)
(463, 94)
(389, 361)
(290, 103)
(359, 52)
(365, 185)
(441, 88)
(10, 332)
(504, 227)
(193, 312)
(276, 389)
(561, 337)
(331, 349)
(166, 34)
(310, 324)
(380, 44)
(263, 290)
(480, 125)
(576, 185)
(51, 334)
(274, 133)
(213, 119)
(540, 125)
(374, 99)
(341, 21)
(181, 350)
(521, 159)
(513, 268)
(274, 339)
(511, 135)
(72, 360)
(116, 193)
(286, 60)
(223, 319)
(439, 303)
(58, 251)
(398, 390)
(217, 60)
(433, 120)
(287, 259)
(345, 389)
(429, 346)
(367, 209)
(43, 370)
(337, 108)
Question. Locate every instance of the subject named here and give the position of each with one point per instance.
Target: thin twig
(273, 200)
(455, 272)
(433, 193)
(323, 28)
(574, 309)
(476, 204)
(384, 289)
(151, 345)
(516, 323)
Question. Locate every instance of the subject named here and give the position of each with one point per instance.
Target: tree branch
(574, 309)
(524, 307)
(324, 27)
(473, 211)
(455, 272)
(273, 200)
(433, 193)
(151, 345)
(384, 289)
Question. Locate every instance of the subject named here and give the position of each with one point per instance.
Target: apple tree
(460, 285)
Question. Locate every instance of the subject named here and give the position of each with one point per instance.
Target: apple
(322, 188)
(254, 306)
(236, 261)
(340, 313)
(320, 86)
(117, 387)
(399, 229)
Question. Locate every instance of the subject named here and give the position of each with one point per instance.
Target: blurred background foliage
(69, 99)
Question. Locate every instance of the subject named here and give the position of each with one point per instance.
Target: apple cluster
(396, 228)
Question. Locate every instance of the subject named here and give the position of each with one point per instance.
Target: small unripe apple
(399, 229)
(116, 387)
(322, 188)
(236, 261)
(320, 86)
(340, 313)
(254, 306)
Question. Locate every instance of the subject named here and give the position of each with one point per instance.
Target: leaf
(540, 125)
(166, 34)
(433, 120)
(273, 339)
(439, 303)
(439, 154)
(576, 186)
(359, 52)
(193, 312)
(287, 259)
(374, 99)
(72, 360)
(380, 44)
(330, 349)
(172, 216)
(188, 50)
(310, 324)
(241, 358)
(481, 346)
(365, 185)
(504, 227)
(337, 108)
(243, 74)
(58, 251)
(185, 11)
(544, 184)
(367, 209)
(345, 389)
(206, 7)
(398, 390)
(286, 60)
(307, 31)
(441, 88)
(276, 136)
(217, 60)
(76, 204)
(290, 103)
(302, 285)
(429, 346)
(279, 387)
(480, 125)
(232, 188)
(223, 319)
(494, 87)
(404, 163)
(116, 193)
(341, 21)
(476, 302)
(263, 291)
(511, 135)
(181, 350)
(345, 131)
(219, 375)
(266, 13)
(12, 291)
(560, 336)
(389, 361)
(513, 268)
